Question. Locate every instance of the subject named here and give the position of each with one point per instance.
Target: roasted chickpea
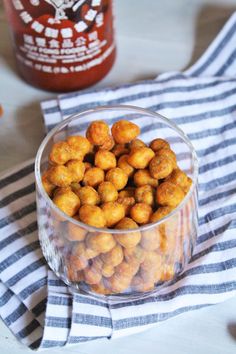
(160, 213)
(79, 142)
(127, 192)
(107, 270)
(92, 275)
(141, 213)
(117, 177)
(140, 157)
(113, 257)
(100, 289)
(169, 194)
(73, 274)
(127, 270)
(145, 194)
(136, 143)
(151, 239)
(125, 166)
(107, 192)
(88, 195)
(78, 263)
(105, 159)
(113, 212)
(188, 185)
(101, 242)
(160, 167)
(134, 254)
(178, 177)
(128, 240)
(138, 284)
(67, 201)
(97, 132)
(108, 143)
(151, 268)
(127, 203)
(75, 232)
(143, 177)
(169, 154)
(93, 177)
(47, 185)
(158, 144)
(117, 284)
(83, 252)
(120, 149)
(124, 131)
(76, 169)
(92, 215)
(60, 153)
(60, 176)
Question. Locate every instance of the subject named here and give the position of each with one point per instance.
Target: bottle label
(63, 36)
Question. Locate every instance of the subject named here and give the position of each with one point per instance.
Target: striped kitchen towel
(38, 308)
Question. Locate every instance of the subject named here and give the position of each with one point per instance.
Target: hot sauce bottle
(62, 45)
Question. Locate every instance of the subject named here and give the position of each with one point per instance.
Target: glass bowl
(164, 247)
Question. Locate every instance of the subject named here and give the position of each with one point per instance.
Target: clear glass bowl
(165, 246)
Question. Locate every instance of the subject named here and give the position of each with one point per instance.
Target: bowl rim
(135, 109)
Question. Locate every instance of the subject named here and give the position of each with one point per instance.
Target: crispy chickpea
(127, 270)
(113, 257)
(127, 203)
(100, 289)
(77, 169)
(134, 254)
(75, 232)
(82, 251)
(97, 132)
(178, 177)
(188, 185)
(118, 284)
(128, 240)
(113, 212)
(143, 177)
(80, 143)
(138, 284)
(60, 153)
(160, 213)
(117, 177)
(105, 159)
(88, 195)
(140, 157)
(145, 194)
(158, 144)
(107, 270)
(101, 242)
(151, 268)
(92, 275)
(169, 194)
(141, 213)
(60, 176)
(73, 274)
(92, 215)
(125, 166)
(136, 143)
(124, 131)
(93, 177)
(67, 201)
(127, 192)
(160, 167)
(151, 239)
(168, 153)
(47, 185)
(120, 149)
(78, 263)
(107, 192)
(108, 143)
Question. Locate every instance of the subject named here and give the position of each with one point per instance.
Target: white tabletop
(153, 36)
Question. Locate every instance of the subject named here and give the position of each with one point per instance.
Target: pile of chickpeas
(114, 180)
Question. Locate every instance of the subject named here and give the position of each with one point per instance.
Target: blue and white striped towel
(39, 308)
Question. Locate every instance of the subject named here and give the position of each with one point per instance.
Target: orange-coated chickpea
(92, 215)
(127, 270)
(83, 252)
(47, 185)
(105, 159)
(168, 153)
(88, 195)
(188, 185)
(138, 284)
(127, 203)
(93, 177)
(60, 176)
(140, 157)
(143, 177)
(124, 131)
(79, 142)
(127, 240)
(113, 257)
(151, 268)
(60, 153)
(145, 194)
(107, 192)
(113, 212)
(136, 143)
(158, 144)
(92, 275)
(134, 254)
(97, 132)
(160, 213)
(169, 194)
(108, 143)
(101, 242)
(67, 201)
(118, 284)
(100, 289)
(107, 270)
(78, 263)
(160, 167)
(141, 213)
(75, 232)
(76, 169)
(120, 149)
(127, 192)
(151, 239)
(74, 275)
(178, 177)
(117, 177)
(125, 166)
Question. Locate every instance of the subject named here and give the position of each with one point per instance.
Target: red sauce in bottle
(62, 45)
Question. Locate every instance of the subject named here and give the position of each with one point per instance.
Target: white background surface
(153, 36)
